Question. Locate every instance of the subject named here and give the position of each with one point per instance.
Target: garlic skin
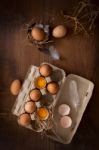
(43, 113)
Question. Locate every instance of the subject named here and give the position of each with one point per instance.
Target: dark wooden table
(79, 56)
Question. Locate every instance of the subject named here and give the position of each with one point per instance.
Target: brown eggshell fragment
(53, 87)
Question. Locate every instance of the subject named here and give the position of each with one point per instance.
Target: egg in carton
(46, 101)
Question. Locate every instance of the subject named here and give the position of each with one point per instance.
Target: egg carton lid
(76, 92)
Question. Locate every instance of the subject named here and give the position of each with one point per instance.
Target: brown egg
(24, 119)
(45, 70)
(59, 31)
(15, 87)
(53, 87)
(35, 95)
(38, 34)
(30, 107)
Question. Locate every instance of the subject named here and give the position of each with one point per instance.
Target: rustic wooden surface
(79, 56)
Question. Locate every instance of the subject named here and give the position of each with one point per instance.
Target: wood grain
(79, 56)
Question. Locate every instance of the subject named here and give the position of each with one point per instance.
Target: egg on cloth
(35, 95)
(45, 70)
(53, 87)
(24, 119)
(30, 107)
(59, 31)
(15, 87)
(38, 34)
(43, 113)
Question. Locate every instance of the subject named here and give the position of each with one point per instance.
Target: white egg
(65, 122)
(64, 109)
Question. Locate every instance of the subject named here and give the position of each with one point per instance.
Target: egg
(43, 113)
(64, 109)
(35, 95)
(65, 122)
(30, 107)
(24, 119)
(53, 87)
(45, 70)
(40, 82)
(38, 34)
(59, 31)
(15, 87)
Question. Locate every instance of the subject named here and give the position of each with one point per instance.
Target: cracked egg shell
(40, 82)
(43, 113)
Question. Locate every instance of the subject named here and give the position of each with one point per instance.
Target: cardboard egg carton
(75, 91)
(47, 99)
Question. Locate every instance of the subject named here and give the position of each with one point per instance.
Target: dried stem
(83, 17)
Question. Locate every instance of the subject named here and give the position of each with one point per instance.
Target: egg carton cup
(47, 100)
